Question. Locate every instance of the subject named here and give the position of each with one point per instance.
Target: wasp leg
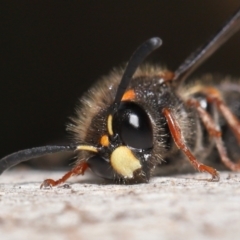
(231, 119)
(77, 170)
(179, 141)
(215, 133)
(214, 96)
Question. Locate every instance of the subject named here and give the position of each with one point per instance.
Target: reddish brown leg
(77, 170)
(231, 119)
(215, 133)
(179, 141)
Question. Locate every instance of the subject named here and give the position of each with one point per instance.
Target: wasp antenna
(136, 59)
(27, 154)
(204, 52)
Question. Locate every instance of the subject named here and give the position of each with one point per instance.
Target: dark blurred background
(52, 51)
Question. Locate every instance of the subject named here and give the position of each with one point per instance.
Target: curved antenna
(27, 154)
(203, 53)
(136, 59)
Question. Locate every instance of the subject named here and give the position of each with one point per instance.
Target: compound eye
(133, 125)
(100, 167)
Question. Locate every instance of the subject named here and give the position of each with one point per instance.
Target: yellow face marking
(109, 124)
(128, 95)
(87, 148)
(124, 162)
(104, 141)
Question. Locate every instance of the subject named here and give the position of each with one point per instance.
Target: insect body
(144, 116)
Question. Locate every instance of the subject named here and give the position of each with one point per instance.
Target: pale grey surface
(179, 207)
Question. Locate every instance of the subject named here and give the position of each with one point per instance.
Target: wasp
(144, 119)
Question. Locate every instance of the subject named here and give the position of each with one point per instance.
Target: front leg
(180, 143)
(77, 170)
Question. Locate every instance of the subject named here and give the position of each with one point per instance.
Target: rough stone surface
(178, 207)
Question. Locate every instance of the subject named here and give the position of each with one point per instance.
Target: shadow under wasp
(143, 116)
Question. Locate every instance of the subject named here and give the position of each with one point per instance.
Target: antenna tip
(156, 42)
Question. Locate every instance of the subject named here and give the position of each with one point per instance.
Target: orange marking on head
(104, 141)
(212, 92)
(167, 75)
(128, 95)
